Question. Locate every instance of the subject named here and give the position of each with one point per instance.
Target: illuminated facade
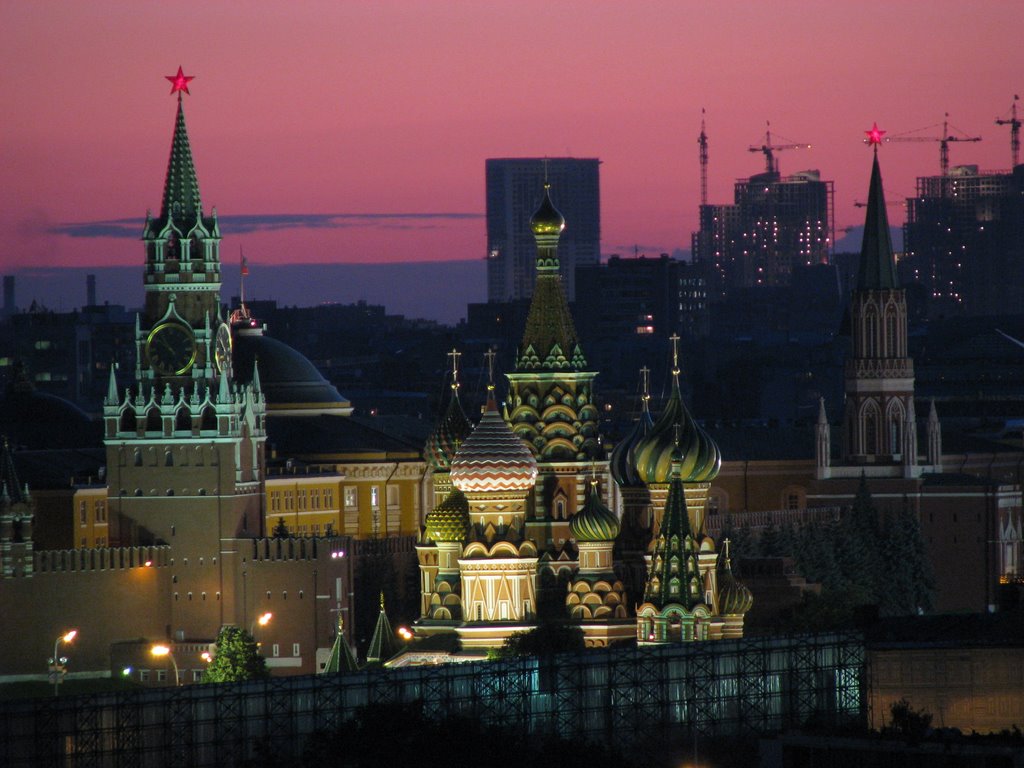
(775, 223)
(520, 534)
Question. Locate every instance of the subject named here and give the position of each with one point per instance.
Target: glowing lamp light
(68, 637)
(148, 564)
(336, 555)
(126, 671)
(404, 633)
(206, 656)
(160, 650)
(874, 136)
(265, 619)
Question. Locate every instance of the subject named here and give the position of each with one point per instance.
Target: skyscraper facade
(775, 223)
(964, 241)
(515, 187)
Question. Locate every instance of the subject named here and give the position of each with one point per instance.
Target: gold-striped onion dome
(449, 520)
(734, 598)
(701, 458)
(493, 459)
(448, 435)
(547, 220)
(622, 462)
(594, 521)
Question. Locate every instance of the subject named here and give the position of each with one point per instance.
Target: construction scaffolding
(640, 699)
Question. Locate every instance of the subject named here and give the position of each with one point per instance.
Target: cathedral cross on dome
(455, 355)
(674, 338)
(645, 379)
(179, 82)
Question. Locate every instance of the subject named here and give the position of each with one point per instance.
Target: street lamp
(58, 664)
(263, 619)
(163, 650)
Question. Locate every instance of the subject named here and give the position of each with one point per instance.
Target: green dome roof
(449, 434)
(733, 597)
(701, 458)
(547, 220)
(622, 462)
(594, 522)
(449, 520)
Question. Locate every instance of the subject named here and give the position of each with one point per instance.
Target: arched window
(870, 433)
(895, 433)
(209, 421)
(870, 334)
(153, 421)
(183, 420)
(128, 421)
(890, 334)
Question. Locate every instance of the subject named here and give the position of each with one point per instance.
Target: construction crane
(943, 140)
(702, 142)
(1014, 124)
(770, 149)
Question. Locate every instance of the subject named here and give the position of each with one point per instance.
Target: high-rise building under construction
(515, 187)
(774, 224)
(964, 241)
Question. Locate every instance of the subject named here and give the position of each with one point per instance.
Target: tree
(235, 658)
(909, 582)
(546, 638)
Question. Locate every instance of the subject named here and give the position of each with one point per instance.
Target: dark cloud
(132, 228)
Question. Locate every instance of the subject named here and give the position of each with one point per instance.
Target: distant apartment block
(774, 224)
(515, 187)
(964, 242)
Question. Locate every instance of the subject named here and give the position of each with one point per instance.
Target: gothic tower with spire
(185, 442)
(879, 372)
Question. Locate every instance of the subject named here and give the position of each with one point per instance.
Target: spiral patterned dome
(547, 220)
(450, 433)
(493, 458)
(733, 597)
(449, 520)
(701, 458)
(594, 522)
(622, 462)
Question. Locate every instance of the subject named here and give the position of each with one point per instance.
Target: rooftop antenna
(1014, 124)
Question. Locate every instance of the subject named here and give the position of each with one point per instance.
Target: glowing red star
(179, 82)
(875, 135)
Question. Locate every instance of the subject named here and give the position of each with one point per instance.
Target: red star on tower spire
(874, 135)
(179, 82)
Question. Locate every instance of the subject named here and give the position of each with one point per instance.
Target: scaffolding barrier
(639, 699)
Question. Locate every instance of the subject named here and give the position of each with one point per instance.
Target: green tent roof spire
(341, 659)
(181, 189)
(382, 644)
(877, 263)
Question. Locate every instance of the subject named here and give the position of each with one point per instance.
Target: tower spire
(877, 262)
(181, 189)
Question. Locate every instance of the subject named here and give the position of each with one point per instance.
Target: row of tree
(867, 557)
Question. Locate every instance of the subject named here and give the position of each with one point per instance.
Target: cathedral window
(128, 421)
(870, 434)
(890, 334)
(209, 420)
(153, 421)
(894, 433)
(83, 517)
(183, 420)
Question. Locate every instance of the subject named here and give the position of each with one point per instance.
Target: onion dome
(594, 522)
(547, 220)
(701, 458)
(733, 597)
(449, 520)
(449, 434)
(493, 458)
(622, 462)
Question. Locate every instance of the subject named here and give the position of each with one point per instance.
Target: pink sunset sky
(311, 120)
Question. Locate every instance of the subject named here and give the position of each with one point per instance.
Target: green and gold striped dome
(701, 458)
(449, 520)
(733, 597)
(594, 522)
(547, 220)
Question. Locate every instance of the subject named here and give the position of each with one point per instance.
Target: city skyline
(343, 133)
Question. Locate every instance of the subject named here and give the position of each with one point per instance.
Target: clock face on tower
(171, 349)
(222, 353)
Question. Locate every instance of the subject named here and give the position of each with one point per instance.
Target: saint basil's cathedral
(521, 533)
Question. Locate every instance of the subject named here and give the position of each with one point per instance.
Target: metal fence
(628, 698)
